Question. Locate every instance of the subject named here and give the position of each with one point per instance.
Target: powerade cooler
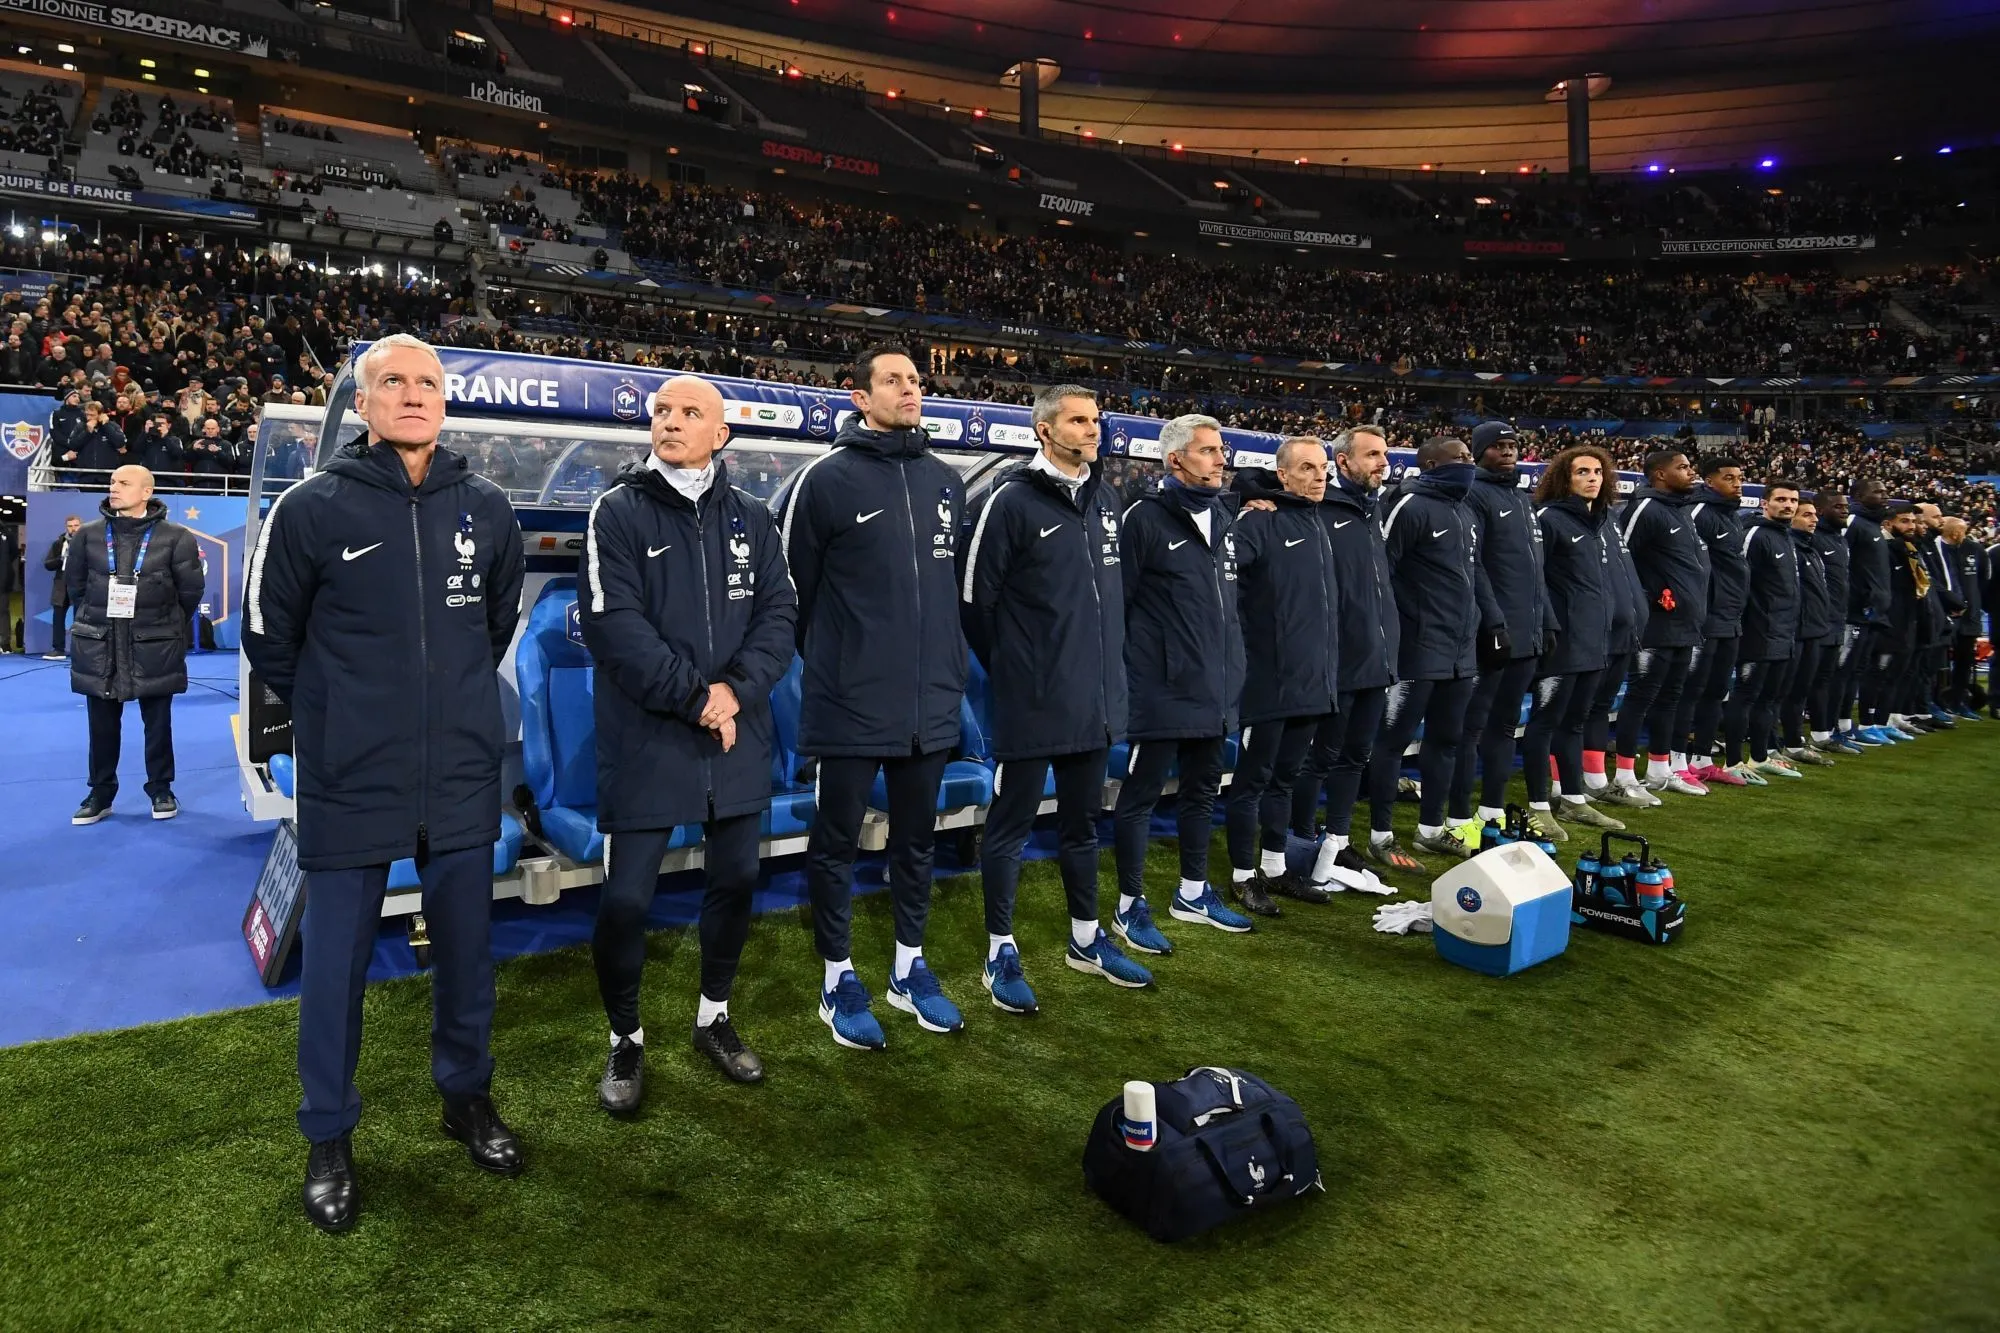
(1502, 911)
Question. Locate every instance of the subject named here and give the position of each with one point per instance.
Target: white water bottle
(1140, 1128)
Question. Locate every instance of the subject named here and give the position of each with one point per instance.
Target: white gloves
(1402, 918)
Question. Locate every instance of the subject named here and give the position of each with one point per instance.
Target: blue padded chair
(792, 801)
(559, 727)
(967, 782)
(403, 873)
(976, 724)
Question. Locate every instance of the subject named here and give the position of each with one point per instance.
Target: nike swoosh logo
(1338, 526)
(1175, 546)
(1506, 513)
(346, 554)
(1579, 536)
(1440, 532)
(863, 518)
(1047, 531)
(1290, 544)
(1672, 530)
(652, 551)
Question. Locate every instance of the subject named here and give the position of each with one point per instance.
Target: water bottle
(1666, 880)
(1139, 1125)
(1650, 894)
(1491, 836)
(1586, 874)
(1611, 883)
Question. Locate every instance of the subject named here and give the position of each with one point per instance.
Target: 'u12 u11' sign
(1766, 245)
(1243, 231)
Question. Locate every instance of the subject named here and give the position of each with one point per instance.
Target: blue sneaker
(1004, 982)
(1874, 736)
(1103, 958)
(1842, 744)
(920, 994)
(845, 1010)
(1942, 716)
(1900, 733)
(1208, 910)
(1968, 713)
(1136, 928)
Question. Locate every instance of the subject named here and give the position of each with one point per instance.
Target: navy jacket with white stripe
(1672, 561)
(380, 612)
(1043, 605)
(1771, 611)
(1441, 599)
(870, 531)
(1722, 522)
(674, 596)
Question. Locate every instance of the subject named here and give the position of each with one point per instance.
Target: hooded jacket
(1510, 557)
(1628, 630)
(380, 612)
(1043, 605)
(1868, 595)
(673, 595)
(1815, 610)
(1970, 574)
(1585, 577)
(1672, 561)
(1721, 523)
(1288, 602)
(1433, 549)
(1371, 633)
(1830, 541)
(1771, 612)
(1183, 641)
(870, 532)
(146, 656)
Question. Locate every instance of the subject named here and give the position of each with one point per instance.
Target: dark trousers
(1260, 792)
(1928, 682)
(842, 799)
(1798, 713)
(1562, 705)
(1710, 677)
(1886, 663)
(1752, 710)
(343, 914)
(58, 624)
(1651, 695)
(1958, 695)
(1490, 720)
(632, 873)
(1017, 798)
(1200, 762)
(1597, 733)
(1336, 761)
(1833, 705)
(1438, 706)
(107, 723)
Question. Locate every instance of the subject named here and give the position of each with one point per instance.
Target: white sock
(1679, 760)
(707, 1011)
(1238, 876)
(906, 958)
(1576, 800)
(1192, 889)
(1596, 781)
(637, 1036)
(1083, 934)
(1125, 901)
(1339, 841)
(833, 971)
(1429, 830)
(1821, 737)
(1381, 837)
(1538, 805)
(1273, 863)
(993, 943)
(1491, 815)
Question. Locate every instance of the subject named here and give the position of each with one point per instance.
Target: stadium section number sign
(271, 923)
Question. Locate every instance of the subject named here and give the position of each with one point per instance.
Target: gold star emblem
(190, 513)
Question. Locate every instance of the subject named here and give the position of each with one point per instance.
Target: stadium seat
(559, 727)
(403, 873)
(792, 800)
(967, 782)
(976, 738)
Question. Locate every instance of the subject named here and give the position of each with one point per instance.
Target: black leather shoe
(1289, 885)
(1256, 899)
(93, 809)
(332, 1202)
(726, 1051)
(488, 1142)
(624, 1081)
(165, 806)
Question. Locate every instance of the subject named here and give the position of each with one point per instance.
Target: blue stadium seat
(559, 727)
(403, 873)
(967, 782)
(792, 801)
(976, 724)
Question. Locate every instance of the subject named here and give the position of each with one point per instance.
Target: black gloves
(1495, 648)
(1549, 641)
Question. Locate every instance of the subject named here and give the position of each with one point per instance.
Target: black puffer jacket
(1371, 633)
(1815, 619)
(1584, 577)
(1511, 555)
(1722, 522)
(1183, 643)
(1771, 613)
(1288, 602)
(145, 656)
(1672, 561)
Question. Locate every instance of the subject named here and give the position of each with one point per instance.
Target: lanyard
(111, 551)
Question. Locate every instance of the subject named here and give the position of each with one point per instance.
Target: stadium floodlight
(1946, 149)
(49, 238)
(17, 231)
(1768, 163)
(66, 48)
(148, 63)
(1654, 168)
(201, 73)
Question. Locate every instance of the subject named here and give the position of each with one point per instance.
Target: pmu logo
(819, 420)
(1469, 900)
(625, 401)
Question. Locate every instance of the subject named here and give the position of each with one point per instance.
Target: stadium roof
(1356, 45)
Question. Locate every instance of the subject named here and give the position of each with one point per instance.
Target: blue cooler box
(1504, 910)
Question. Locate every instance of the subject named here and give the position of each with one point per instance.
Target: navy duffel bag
(1228, 1143)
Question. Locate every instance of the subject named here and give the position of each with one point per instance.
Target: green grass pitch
(1784, 1122)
